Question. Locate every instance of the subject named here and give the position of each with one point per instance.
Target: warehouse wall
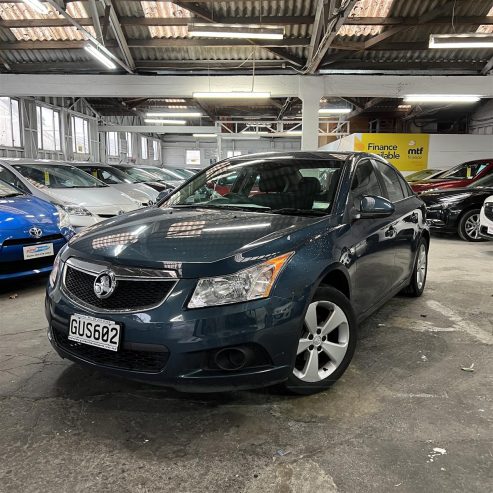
(174, 152)
(482, 120)
(29, 130)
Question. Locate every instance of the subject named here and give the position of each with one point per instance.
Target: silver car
(86, 199)
(121, 181)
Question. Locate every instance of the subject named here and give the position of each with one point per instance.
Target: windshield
(184, 173)
(162, 174)
(7, 190)
(139, 175)
(57, 176)
(281, 185)
(465, 171)
(106, 175)
(421, 175)
(485, 182)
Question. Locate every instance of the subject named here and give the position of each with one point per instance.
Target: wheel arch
(336, 276)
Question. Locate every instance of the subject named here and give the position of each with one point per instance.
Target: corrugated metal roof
(219, 10)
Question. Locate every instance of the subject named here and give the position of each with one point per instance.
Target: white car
(115, 178)
(86, 199)
(486, 219)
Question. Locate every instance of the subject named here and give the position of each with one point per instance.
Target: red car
(462, 175)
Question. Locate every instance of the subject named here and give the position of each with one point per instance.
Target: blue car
(32, 232)
(265, 284)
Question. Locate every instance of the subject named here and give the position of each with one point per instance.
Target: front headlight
(63, 218)
(76, 210)
(249, 284)
(55, 270)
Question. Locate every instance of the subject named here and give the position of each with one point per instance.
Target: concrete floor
(405, 417)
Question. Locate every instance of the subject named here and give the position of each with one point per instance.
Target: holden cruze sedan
(85, 199)
(32, 232)
(263, 285)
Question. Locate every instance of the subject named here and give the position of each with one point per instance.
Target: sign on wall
(407, 152)
(193, 157)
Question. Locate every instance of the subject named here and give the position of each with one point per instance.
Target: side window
(391, 181)
(9, 177)
(365, 182)
(405, 186)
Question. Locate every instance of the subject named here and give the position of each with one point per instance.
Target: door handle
(414, 218)
(390, 232)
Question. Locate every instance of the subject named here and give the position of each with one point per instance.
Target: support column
(311, 90)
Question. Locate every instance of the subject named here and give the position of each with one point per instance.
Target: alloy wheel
(421, 266)
(323, 343)
(472, 226)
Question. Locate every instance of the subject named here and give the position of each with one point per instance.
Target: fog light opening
(230, 359)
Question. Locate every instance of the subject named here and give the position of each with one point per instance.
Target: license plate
(36, 251)
(490, 231)
(94, 332)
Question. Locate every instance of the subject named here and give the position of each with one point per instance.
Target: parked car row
(43, 203)
(459, 200)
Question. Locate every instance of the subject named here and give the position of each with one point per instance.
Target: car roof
(48, 162)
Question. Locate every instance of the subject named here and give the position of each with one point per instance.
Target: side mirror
(373, 206)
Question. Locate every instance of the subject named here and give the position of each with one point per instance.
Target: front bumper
(442, 219)
(486, 230)
(177, 348)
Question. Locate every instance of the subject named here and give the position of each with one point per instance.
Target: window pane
(144, 151)
(193, 157)
(112, 144)
(129, 145)
(80, 135)
(39, 127)
(5, 123)
(48, 129)
(365, 182)
(394, 190)
(56, 121)
(155, 148)
(16, 123)
(86, 136)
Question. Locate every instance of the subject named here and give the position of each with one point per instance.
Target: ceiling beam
(415, 21)
(93, 9)
(324, 7)
(158, 129)
(488, 67)
(88, 35)
(150, 43)
(280, 86)
(119, 34)
(328, 38)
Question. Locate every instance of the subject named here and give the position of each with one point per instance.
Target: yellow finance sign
(407, 152)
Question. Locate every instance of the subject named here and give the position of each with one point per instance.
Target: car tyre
(420, 272)
(326, 344)
(469, 226)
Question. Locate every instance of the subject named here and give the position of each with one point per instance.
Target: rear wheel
(469, 226)
(420, 271)
(326, 344)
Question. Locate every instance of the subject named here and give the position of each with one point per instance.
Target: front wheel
(469, 226)
(326, 344)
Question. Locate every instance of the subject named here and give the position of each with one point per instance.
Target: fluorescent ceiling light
(441, 98)
(334, 111)
(469, 40)
(37, 6)
(191, 114)
(231, 95)
(100, 56)
(205, 136)
(165, 122)
(236, 31)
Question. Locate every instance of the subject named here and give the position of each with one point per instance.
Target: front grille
(149, 361)
(32, 241)
(129, 295)
(488, 211)
(25, 265)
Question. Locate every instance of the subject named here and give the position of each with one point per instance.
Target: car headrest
(310, 185)
(273, 183)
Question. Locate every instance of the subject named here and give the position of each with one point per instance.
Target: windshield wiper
(297, 212)
(10, 195)
(219, 207)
